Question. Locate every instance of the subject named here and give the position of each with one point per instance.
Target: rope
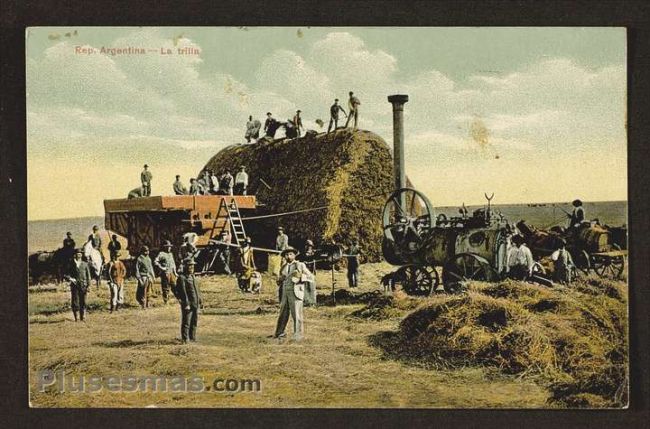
(284, 213)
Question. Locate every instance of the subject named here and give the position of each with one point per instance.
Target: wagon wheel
(582, 261)
(407, 215)
(418, 280)
(464, 267)
(609, 266)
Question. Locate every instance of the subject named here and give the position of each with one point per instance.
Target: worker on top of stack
(195, 187)
(145, 179)
(353, 106)
(252, 129)
(334, 115)
(179, 188)
(297, 122)
(241, 181)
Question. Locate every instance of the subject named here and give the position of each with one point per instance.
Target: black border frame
(16, 16)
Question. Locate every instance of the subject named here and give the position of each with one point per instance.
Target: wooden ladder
(234, 217)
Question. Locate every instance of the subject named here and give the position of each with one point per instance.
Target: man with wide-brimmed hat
(145, 179)
(246, 265)
(167, 266)
(145, 275)
(189, 296)
(116, 275)
(291, 283)
(78, 274)
(577, 216)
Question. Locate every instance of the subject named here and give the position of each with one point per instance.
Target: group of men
(211, 184)
(294, 127)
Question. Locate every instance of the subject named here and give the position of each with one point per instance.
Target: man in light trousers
(293, 276)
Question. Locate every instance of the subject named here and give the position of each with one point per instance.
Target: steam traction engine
(467, 247)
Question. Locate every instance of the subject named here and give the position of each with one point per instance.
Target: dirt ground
(334, 366)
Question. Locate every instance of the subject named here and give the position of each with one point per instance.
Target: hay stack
(349, 172)
(575, 338)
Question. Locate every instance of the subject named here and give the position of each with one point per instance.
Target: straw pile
(348, 172)
(575, 338)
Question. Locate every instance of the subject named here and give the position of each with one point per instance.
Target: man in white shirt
(520, 259)
(282, 240)
(241, 181)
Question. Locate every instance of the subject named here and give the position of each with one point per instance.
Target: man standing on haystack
(353, 105)
(334, 115)
(297, 122)
(294, 275)
(252, 129)
(145, 276)
(167, 266)
(79, 277)
(145, 179)
(116, 274)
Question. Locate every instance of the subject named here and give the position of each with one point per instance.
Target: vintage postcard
(327, 217)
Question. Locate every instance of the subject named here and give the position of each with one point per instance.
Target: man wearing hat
(246, 265)
(353, 253)
(293, 277)
(187, 290)
(577, 216)
(79, 278)
(116, 274)
(297, 122)
(223, 252)
(241, 181)
(167, 266)
(334, 114)
(96, 238)
(68, 247)
(145, 179)
(562, 263)
(282, 240)
(114, 246)
(145, 276)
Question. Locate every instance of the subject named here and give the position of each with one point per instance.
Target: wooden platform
(199, 203)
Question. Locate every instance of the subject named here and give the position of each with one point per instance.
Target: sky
(531, 114)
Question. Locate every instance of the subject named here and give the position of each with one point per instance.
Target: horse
(95, 261)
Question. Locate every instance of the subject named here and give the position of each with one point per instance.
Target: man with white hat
(293, 276)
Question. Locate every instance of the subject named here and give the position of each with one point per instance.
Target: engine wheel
(418, 280)
(465, 267)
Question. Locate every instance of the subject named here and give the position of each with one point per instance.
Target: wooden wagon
(152, 220)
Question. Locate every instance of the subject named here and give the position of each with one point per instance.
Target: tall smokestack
(398, 101)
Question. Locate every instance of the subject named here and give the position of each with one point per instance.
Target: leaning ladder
(234, 218)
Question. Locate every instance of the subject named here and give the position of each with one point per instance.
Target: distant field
(49, 234)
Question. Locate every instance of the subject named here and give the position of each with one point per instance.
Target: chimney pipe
(398, 101)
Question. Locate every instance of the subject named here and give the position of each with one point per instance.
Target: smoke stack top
(398, 101)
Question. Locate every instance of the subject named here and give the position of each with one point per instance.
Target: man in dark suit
(79, 278)
(187, 291)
